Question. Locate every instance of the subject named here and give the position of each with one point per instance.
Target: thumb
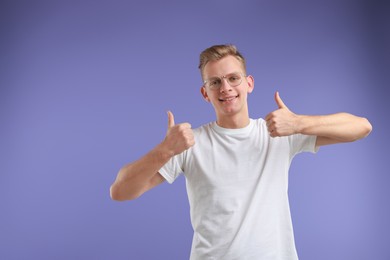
(279, 101)
(171, 120)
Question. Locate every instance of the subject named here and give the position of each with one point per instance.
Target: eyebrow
(234, 72)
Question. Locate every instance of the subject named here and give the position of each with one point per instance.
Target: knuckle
(180, 127)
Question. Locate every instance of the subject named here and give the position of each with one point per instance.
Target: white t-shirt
(237, 182)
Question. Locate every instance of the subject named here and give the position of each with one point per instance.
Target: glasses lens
(214, 83)
(234, 79)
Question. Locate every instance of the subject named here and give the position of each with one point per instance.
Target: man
(236, 168)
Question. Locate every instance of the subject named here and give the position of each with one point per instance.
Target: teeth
(227, 99)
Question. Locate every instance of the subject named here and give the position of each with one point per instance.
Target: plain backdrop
(85, 86)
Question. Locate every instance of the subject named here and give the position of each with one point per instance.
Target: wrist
(164, 152)
(300, 125)
(307, 125)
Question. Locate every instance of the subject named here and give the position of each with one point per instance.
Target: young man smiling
(229, 102)
(236, 168)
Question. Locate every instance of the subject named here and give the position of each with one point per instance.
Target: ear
(204, 93)
(251, 83)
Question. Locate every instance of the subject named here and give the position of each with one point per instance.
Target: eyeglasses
(234, 79)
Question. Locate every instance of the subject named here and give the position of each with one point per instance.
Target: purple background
(85, 86)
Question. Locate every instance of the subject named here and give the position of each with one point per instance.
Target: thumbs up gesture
(281, 122)
(179, 137)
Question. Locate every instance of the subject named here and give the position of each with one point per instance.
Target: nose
(225, 86)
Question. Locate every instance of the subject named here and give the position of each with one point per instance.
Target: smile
(227, 99)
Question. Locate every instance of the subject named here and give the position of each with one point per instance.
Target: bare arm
(335, 128)
(329, 129)
(142, 175)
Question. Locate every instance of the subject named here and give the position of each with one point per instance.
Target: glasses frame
(226, 79)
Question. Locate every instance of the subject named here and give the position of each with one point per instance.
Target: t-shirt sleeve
(302, 143)
(173, 168)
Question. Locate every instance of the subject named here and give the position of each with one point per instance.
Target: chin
(228, 112)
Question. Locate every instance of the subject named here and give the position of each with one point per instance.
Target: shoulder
(260, 125)
(203, 133)
(203, 129)
(259, 122)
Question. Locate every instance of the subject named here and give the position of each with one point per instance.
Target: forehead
(222, 67)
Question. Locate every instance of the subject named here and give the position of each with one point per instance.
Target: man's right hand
(179, 137)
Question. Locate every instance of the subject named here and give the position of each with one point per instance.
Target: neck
(233, 122)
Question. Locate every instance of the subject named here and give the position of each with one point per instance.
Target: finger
(268, 117)
(186, 125)
(271, 132)
(279, 101)
(171, 120)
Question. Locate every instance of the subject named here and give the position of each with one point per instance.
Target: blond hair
(218, 52)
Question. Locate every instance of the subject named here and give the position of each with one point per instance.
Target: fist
(281, 122)
(179, 137)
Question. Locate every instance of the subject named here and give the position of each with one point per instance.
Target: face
(227, 100)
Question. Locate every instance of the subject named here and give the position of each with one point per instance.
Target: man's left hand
(281, 122)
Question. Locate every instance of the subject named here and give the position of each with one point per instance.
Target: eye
(234, 78)
(214, 83)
